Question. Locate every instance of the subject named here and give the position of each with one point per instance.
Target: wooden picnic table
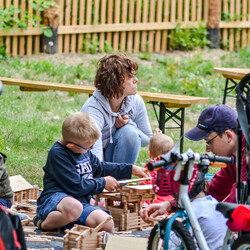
(231, 74)
(165, 102)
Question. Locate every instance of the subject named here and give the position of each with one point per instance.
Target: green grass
(30, 122)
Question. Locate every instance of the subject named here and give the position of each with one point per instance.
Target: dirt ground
(74, 59)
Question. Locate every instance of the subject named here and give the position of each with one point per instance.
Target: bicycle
(174, 232)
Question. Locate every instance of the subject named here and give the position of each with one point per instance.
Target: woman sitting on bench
(118, 110)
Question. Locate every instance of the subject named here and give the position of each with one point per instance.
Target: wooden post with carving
(214, 17)
(51, 20)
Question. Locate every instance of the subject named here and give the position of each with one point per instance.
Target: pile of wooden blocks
(125, 204)
(82, 237)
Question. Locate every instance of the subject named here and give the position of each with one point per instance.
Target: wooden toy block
(82, 237)
(23, 190)
(125, 204)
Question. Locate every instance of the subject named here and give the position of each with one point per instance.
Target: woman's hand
(140, 172)
(121, 120)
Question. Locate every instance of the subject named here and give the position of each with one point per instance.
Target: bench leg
(228, 88)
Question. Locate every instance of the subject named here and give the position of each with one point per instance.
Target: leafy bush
(189, 38)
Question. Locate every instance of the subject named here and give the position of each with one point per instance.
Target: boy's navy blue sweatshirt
(78, 175)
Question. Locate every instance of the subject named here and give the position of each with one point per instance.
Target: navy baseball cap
(214, 118)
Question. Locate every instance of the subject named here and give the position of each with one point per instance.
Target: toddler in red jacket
(159, 144)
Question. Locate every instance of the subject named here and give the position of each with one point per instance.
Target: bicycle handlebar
(174, 158)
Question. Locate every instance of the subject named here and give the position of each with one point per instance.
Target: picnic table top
(232, 73)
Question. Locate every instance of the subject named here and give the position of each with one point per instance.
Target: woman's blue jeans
(125, 147)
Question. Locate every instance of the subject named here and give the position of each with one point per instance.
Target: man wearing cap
(217, 126)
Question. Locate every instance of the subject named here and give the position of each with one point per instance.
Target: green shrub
(189, 38)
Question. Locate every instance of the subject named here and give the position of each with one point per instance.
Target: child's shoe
(38, 222)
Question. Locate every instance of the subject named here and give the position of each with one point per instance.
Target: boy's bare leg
(68, 210)
(96, 217)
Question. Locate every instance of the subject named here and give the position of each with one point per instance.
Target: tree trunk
(214, 17)
(51, 20)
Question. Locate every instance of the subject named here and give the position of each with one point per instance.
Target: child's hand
(140, 172)
(154, 210)
(157, 131)
(121, 121)
(111, 183)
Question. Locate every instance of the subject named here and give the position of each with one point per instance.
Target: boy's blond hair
(80, 125)
(160, 144)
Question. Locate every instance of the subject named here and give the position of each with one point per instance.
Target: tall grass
(30, 122)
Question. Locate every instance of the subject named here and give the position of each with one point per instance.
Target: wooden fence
(126, 25)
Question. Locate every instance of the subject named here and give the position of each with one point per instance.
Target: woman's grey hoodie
(99, 108)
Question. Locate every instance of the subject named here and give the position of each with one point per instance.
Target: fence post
(51, 20)
(214, 17)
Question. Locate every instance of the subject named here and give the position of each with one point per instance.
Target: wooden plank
(37, 38)
(152, 20)
(138, 20)
(1, 38)
(186, 10)
(124, 243)
(199, 10)
(205, 10)
(231, 31)
(176, 100)
(116, 21)
(8, 39)
(15, 39)
(232, 73)
(180, 10)
(95, 20)
(172, 14)
(131, 20)
(235, 25)
(136, 180)
(29, 38)
(193, 10)
(110, 20)
(144, 20)
(123, 20)
(88, 22)
(244, 18)
(77, 29)
(237, 32)
(81, 22)
(165, 32)
(61, 23)
(224, 31)
(102, 21)
(158, 32)
(67, 22)
(74, 22)
(248, 41)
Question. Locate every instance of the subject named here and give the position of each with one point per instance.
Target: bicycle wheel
(179, 238)
(242, 243)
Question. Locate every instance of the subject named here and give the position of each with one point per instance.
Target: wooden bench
(231, 74)
(165, 102)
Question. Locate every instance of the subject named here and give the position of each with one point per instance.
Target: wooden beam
(81, 29)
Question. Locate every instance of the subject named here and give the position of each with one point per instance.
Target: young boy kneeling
(72, 174)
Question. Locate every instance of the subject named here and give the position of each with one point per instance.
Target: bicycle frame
(184, 204)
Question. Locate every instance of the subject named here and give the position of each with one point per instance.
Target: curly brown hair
(111, 73)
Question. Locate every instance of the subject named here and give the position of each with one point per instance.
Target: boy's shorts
(5, 202)
(51, 203)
